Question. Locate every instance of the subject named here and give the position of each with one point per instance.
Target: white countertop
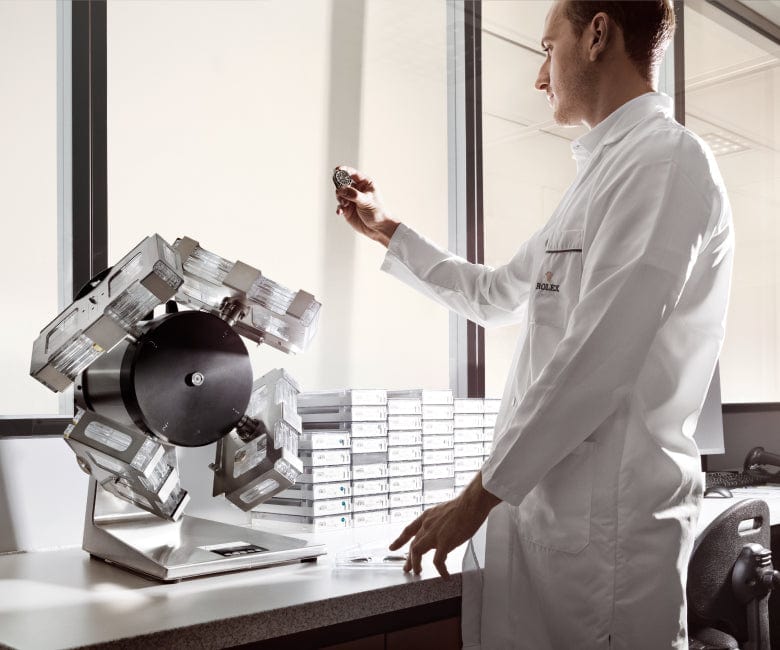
(63, 599)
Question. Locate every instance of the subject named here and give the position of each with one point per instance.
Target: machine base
(121, 534)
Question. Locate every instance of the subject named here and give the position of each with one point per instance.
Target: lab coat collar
(618, 123)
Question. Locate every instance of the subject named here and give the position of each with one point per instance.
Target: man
(593, 484)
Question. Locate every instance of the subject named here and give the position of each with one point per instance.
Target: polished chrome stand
(120, 533)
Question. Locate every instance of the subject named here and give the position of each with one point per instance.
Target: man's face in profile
(564, 74)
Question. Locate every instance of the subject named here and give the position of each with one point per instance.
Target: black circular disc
(190, 379)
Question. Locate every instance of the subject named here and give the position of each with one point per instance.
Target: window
(225, 120)
(526, 158)
(28, 197)
(732, 89)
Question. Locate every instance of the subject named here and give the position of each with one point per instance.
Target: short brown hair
(647, 26)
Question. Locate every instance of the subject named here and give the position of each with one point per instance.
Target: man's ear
(600, 35)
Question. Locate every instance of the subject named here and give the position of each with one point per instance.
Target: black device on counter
(718, 484)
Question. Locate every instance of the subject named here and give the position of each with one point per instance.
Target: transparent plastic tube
(132, 305)
(148, 450)
(286, 470)
(264, 487)
(107, 436)
(285, 437)
(271, 295)
(76, 355)
(208, 266)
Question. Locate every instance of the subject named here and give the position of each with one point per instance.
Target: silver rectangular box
(372, 518)
(430, 472)
(352, 429)
(463, 449)
(438, 496)
(468, 420)
(402, 516)
(324, 440)
(469, 405)
(438, 484)
(302, 523)
(437, 442)
(405, 483)
(404, 438)
(476, 434)
(492, 404)
(369, 472)
(402, 454)
(405, 468)
(404, 422)
(406, 499)
(303, 508)
(344, 397)
(437, 456)
(333, 414)
(369, 459)
(462, 479)
(466, 464)
(437, 411)
(428, 396)
(324, 457)
(370, 502)
(369, 445)
(314, 475)
(373, 486)
(437, 427)
(404, 406)
(317, 491)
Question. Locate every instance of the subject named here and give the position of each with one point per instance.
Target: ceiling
(769, 9)
(732, 80)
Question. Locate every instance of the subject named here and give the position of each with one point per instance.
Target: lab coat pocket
(556, 513)
(558, 278)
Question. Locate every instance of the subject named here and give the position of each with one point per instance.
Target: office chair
(730, 578)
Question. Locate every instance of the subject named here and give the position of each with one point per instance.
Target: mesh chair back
(711, 601)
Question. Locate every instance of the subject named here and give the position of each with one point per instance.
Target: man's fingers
(439, 561)
(347, 193)
(417, 549)
(352, 196)
(407, 534)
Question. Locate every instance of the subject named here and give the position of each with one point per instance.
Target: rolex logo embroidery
(548, 286)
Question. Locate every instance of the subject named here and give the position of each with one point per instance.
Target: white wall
(42, 495)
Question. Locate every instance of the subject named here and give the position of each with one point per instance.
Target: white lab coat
(623, 294)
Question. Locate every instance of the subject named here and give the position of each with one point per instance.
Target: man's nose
(543, 78)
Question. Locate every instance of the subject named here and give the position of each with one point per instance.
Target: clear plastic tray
(371, 556)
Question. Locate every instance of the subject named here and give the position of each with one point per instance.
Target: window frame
(81, 173)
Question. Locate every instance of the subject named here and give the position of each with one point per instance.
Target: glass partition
(732, 90)
(526, 158)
